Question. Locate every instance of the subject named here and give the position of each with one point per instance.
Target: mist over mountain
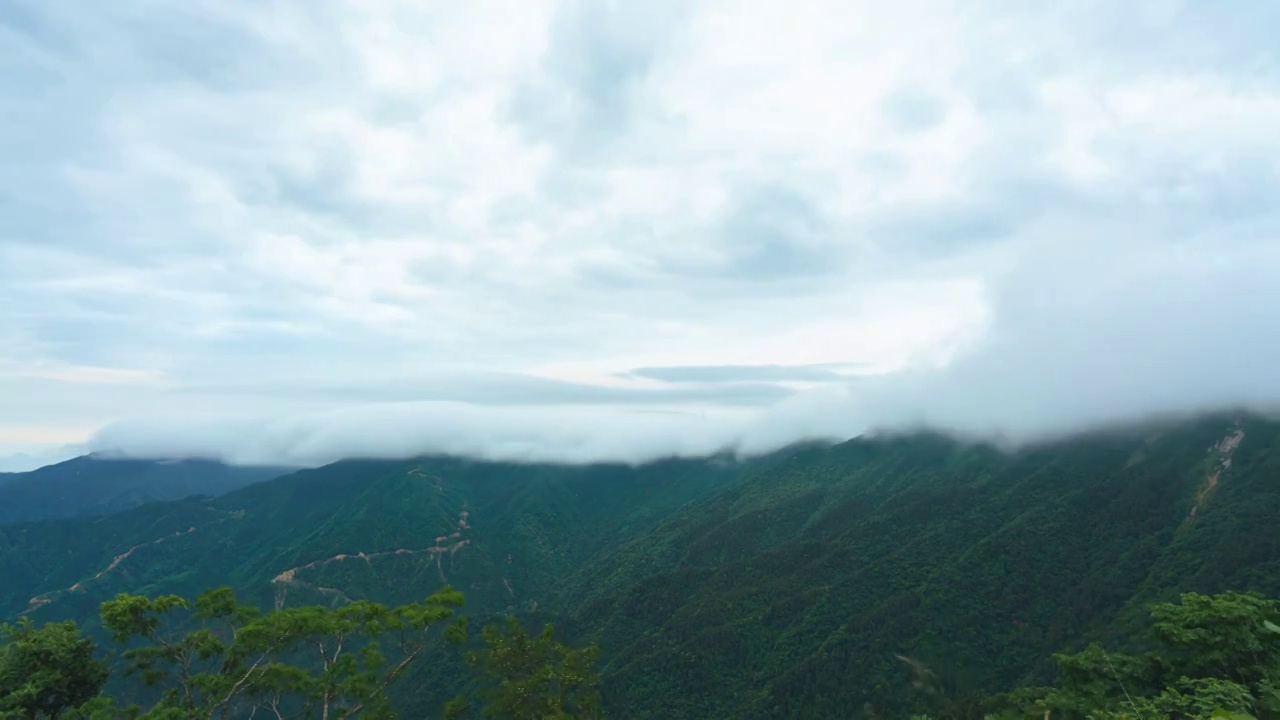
(775, 347)
(1161, 329)
(1069, 347)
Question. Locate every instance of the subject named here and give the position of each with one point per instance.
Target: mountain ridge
(776, 586)
(100, 485)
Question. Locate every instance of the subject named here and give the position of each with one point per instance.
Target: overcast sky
(293, 231)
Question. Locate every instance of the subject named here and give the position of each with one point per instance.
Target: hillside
(790, 594)
(386, 530)
(95, 486)
(781, 586)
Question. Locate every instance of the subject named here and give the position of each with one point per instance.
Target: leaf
(1271, 626)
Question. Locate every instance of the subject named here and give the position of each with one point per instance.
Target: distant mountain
(777, 587)
(97, 486)
(37, 457)
(11, 465)
(394, 530)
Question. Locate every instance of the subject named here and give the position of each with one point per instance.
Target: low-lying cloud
(1168, 333)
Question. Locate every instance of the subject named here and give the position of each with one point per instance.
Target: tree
(531, 677)
(1218, 656)
(1222, 635)
(46, 671)
(292, 663)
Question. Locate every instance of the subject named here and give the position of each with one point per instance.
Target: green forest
(1210, 657)
(1117, 574)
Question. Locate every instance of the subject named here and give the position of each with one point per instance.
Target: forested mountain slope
(96, 486)
(385, 530)
(790, 594)
(781, 586)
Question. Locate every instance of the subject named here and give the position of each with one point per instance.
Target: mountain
(505, 534)
(97, 486)
(777, 587)
(789, 595)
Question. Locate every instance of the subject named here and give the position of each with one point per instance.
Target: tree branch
(395, 672)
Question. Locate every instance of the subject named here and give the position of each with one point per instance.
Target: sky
(273, 231)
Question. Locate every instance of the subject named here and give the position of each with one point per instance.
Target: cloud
(500, 389)
(598, 229)
(1173, 333)
(396, 430)
(742, 373)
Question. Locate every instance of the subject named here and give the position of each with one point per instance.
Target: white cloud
(296, 211)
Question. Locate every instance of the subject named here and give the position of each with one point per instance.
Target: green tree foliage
(46, 671)
(217, 659)
(1216, 657)
(530, 677)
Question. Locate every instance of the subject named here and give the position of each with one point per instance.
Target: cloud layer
(572, 230)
